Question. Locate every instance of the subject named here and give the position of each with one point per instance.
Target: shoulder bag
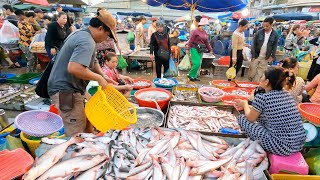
(162, 52)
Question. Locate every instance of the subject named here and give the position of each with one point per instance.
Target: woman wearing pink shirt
(315, 83)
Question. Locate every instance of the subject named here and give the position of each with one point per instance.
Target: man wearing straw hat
(75, 65)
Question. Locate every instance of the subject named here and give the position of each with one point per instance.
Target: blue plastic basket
(5, 76)
(164, 86)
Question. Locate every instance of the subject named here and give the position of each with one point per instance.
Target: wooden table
(143, 56)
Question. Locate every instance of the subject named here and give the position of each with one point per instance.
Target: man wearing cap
(74, 66)
(39, 17)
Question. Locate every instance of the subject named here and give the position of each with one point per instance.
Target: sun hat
(106, 18)
(203, 22)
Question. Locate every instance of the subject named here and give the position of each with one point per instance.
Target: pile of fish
(181, 155)
(240, 93)
(159, 153)
(247, 85)
(212, 93)
(225, 84)
(165, 81)
(153, 95)
(185, 95)
(201, 118)
(141, 83)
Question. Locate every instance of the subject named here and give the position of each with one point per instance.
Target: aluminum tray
(142, 124)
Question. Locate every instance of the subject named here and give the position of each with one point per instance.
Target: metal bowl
(148, 117)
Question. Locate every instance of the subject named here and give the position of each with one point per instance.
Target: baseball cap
(106, 18)
(37, 10)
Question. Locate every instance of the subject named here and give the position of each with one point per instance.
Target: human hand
(120, 51)
(128, 87)
(234, 61)
(270, 59)
(109, 80)
(102, 82)
(53, 51)
(211, 52)
(241, 103)
(152, 57)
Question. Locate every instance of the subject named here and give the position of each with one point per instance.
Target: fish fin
(75, 170)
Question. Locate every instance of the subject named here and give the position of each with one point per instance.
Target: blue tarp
(135, 14)
(292, 16)
(201, 5)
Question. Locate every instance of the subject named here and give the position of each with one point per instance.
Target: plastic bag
(247, 54)
(135, 64)
(38, 38)
(122, 63)
(130, 36)
(172, 71)
(296, 52)
(9, 33)
(185, 64)
(231, 73)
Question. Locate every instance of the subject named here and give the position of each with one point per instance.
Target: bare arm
(97, 69)
(83, 72)
(251, 114)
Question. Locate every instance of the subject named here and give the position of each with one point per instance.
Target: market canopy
(75, 2)
(30, 6)
(201, 5)
(135, 14)
(67, 9)
(292, 16)
(36, 2)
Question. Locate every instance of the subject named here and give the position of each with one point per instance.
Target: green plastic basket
(23, 78)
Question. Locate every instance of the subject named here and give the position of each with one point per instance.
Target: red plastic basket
(224, 60)
(43, 57)
(310, 111)
(144, 103)
(249, 85)
(231, 89)
(14, 163)
(142, 87)
(218, 84)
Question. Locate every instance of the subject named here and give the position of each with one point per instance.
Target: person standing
(264, 49)
(292, 41)
(26, 33)
(238, 43)
(152, 29)
(57, 32)
(74, 67)
(79, 24)
(140, 36)
(198, 43)
(160, 39)
(10, 16)
(39, 17)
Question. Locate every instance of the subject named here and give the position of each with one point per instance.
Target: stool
(294, 163)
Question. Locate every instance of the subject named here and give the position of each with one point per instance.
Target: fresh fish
(115, 134)
(172, 156)
(50, 158)
(213, 139)
(130, 149)
(186, 154)
(53, 140)
(176, 171)
(263, 166)
(203, 150)
(141, 175)
(108, 133)
(175, 140)
(210, 166)
(86, 135)
(141, 156)
(86, 151)
(185, 173)
(157, 171)
(93, 173)
(197, 163)
(167, 169)
(214, 174)
(249, 151)
(140, 168)
(70, 166)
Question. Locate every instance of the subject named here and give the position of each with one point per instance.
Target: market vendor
(274, 119)
(74, 67)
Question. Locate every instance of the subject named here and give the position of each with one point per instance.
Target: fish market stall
(143, 153)
(142, 56)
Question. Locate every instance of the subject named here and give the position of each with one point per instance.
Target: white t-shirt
(263, 50)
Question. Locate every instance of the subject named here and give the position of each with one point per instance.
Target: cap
(37, 10)
(106, 18)
(203, 22)
(58, 6)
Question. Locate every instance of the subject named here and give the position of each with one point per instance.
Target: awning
(67, 9)
(292, 16)
(135, 14)
(37, 2)
(74, 2)
(30, 6)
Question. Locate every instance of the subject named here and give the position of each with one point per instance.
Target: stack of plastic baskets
(36, 124)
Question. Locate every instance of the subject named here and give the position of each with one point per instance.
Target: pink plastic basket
(38, 123)
(210, 99)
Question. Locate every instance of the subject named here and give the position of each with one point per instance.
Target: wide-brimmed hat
(106, 18)
(203, 22)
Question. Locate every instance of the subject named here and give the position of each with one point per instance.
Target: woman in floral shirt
(26, 33)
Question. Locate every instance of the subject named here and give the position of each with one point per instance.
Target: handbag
(201, 48)
(162, 52)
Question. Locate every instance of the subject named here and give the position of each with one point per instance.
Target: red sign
(314, 9)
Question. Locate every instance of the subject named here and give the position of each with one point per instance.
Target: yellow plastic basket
(304, 68)
(34, 144)
(294, 177)
(109, 109)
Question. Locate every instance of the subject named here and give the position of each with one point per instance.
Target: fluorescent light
(245, 12)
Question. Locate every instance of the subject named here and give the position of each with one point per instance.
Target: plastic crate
(294, 177)
(23, 78)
